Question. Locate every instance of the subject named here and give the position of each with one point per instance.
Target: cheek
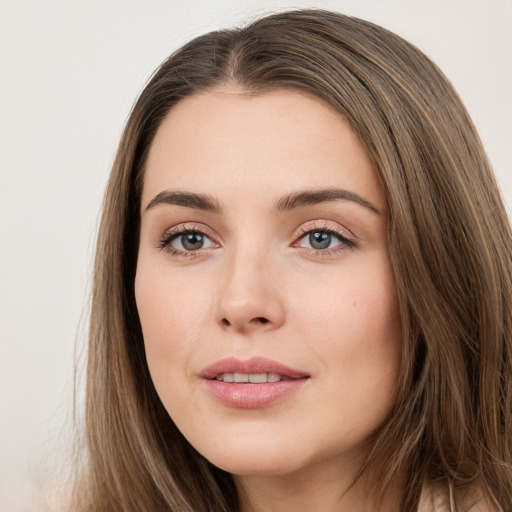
(376, 340)
(165, 304)
(171, 322)
(357, 307)
(173, 313)
(355, 323)
(374, 352)
(372, 322)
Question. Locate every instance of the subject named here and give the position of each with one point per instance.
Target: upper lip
(253, 365)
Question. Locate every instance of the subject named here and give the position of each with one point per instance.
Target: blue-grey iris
(192, 241)
(320, 239)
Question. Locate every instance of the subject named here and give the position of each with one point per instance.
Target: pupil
(320, 239)
(192, 241)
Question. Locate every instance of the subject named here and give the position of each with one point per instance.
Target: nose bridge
(249, 293)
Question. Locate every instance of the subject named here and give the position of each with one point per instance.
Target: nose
(250, 295)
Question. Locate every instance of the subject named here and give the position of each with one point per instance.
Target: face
(264, 287)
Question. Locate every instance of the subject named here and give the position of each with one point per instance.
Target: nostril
(258, 320)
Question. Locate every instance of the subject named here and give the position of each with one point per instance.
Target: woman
(302, 293)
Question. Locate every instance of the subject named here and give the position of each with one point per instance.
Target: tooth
(257, 377)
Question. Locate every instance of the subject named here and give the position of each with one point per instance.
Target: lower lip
(252, 396)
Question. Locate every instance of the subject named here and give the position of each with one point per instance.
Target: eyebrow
(285, 203)
(311, 197)
(188, 199)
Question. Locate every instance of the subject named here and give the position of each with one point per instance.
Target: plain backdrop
(69, 73)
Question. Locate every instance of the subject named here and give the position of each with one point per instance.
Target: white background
(69, 73)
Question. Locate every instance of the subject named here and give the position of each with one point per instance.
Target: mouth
(253, 383)
(253, 378)
(255, 370)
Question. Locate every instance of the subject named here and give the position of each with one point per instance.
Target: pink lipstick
(253, 383)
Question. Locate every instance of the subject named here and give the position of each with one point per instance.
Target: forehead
(224, 142)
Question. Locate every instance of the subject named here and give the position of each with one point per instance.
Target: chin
(253, 459)
(271, 467)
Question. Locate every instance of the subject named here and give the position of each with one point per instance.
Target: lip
(248, 395)
(253, 365)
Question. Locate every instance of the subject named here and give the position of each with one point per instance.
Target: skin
(257, 287)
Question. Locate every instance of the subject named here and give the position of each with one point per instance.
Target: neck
(329, 489)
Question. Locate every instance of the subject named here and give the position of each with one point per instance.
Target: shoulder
(438, 497)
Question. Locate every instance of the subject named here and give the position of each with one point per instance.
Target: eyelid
(170, 234)
(325, 225)
(345, 236)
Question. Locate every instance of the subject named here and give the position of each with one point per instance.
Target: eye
(185, 241)
(320, 240)
(323, 240)
(191, 241)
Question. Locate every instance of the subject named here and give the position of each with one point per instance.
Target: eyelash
(172, 234)
(345, 241)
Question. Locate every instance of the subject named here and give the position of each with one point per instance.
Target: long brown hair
(450, 244)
